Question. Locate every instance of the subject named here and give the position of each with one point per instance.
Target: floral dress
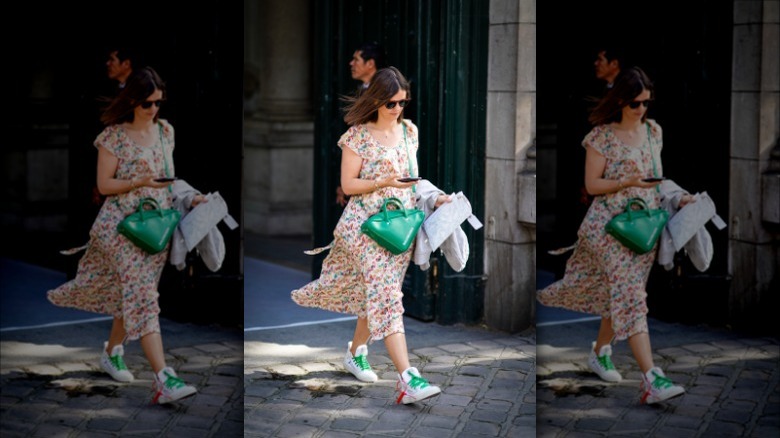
(358, 276)
(114, 276)
(602, 276)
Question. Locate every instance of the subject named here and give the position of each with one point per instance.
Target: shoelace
(416, 382)
(118, 362)
(173, 382)
(361, 362)
(661, 382)
(606, 362)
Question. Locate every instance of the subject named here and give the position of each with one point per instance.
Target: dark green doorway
(442, 49)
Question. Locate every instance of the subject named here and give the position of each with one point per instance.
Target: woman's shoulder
(353, 137)
(409, 124)
(597, 137)
(110, 137)
(655, 128)
(167, 128)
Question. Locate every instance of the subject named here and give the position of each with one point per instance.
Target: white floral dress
(602, 276)
(114, 276)
(358, 276)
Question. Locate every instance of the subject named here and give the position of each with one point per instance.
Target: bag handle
(641, 203)
(165, 156)
(393, 201)
(150, 201)
(652, 155)
(409, 158)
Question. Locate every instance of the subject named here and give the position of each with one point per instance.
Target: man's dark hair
(617, 52)
(128, 51)
(375, 51)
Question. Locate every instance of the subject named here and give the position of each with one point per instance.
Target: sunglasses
(635, 104)
(148, 103)
(402, 103)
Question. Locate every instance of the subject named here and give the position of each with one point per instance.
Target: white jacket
(441, 229)
(685, 228)
(198, 227)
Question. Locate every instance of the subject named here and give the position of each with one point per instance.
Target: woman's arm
(108, 185)
(596, 184)
(352, 184)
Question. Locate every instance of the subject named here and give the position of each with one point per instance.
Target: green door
(441, 47)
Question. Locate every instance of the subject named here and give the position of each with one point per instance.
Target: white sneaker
(413, 387)
(168, 387)
(358, 364)
(115, 363)
(656, 387)
(602, 365)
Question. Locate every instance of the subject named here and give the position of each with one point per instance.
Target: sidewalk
(731, 381)
(296, 386)
(52, 384)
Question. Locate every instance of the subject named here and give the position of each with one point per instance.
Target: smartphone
(166, 179)
(653, 179)
(410, 179)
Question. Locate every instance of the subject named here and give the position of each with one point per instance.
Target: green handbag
(640, 229)
(394, 230)
(150, 229)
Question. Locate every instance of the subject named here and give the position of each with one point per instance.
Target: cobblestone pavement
(731, 390)
(488, 389)
(53, 386)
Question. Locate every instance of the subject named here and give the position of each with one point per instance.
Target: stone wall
(278, 121)
(755, 156)
(510, 205)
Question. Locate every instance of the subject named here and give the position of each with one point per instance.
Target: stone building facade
(279, 142)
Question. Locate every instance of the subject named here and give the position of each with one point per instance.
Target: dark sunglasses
(148, 103)
(401, 103)
(635, 104)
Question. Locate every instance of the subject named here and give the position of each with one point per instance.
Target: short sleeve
(109, 140)
(597, 139)
(355, 139)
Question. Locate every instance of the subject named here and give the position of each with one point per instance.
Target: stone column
(278, 122)
(510, 206)
(755, 127)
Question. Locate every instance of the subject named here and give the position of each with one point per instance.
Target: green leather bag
(639, 229)
(152, 229)
(394, 230)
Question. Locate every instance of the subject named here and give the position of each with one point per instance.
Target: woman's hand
(148, 181)
(686, 199)
(392, 181)
(636, 181)
(198, 199)
(441, 199)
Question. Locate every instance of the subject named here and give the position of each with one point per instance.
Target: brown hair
(140, 85)
(628, 85)
(384, 85)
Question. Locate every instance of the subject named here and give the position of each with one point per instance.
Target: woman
(114, 276)
(359, 276)
(603, 276)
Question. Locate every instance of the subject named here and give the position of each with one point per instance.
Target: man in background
(366, 61)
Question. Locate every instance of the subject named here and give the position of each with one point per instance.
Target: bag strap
(409, 158)
(165, 156)
(652, 155)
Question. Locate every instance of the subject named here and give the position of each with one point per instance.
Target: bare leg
(640, 346)
(117, 335)
(606, 334)
(361, 334)
(153, 348)
(396, 347)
